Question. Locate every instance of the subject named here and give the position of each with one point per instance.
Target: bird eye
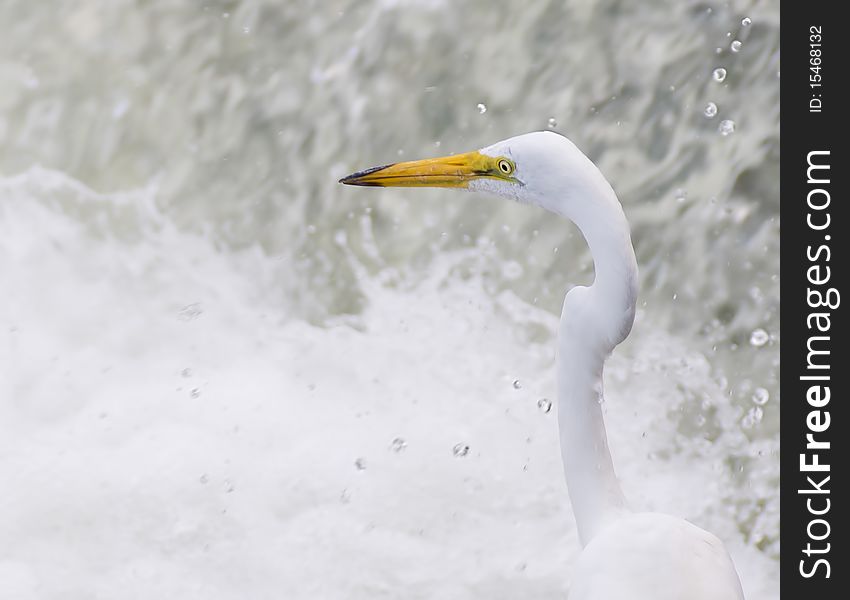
(506, 167)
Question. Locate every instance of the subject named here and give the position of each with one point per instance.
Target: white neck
(594, 320)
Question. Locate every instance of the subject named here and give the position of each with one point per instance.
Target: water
(726, 127)
(168, 197)
(759, 337)
(460, 450)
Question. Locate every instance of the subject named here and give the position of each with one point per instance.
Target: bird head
(533, 168)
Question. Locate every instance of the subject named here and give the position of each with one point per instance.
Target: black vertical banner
(814, 263)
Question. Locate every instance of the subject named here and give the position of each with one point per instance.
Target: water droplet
(761, 396)
(460, 450)
(759, 337)
(552, 123)
(726, 127)
(360, 464)
(311, 229)
(719, 74)
(345, 496)
(680, 194)
(398, 444)
(544, 404)
(246, 30)
(517, 384)
(710, 110)
(700, 420)
(187, 372)
(752, 418)
(746, 21)
(675, 296)
(190, 312)
(195, 392)
(735, 46)
(228, 486)
(482, 108)
(203, 478)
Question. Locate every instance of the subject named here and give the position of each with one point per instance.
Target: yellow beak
(447, 171)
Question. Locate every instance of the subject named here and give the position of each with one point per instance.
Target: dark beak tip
(357, 178)
(351, 180)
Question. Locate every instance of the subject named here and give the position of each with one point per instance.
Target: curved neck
(594, 320)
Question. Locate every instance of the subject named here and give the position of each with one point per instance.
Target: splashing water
(460, 450)
(761, 396)
(321, 322)
(759, 337)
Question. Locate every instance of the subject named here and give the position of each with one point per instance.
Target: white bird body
(627, 555)
(652, 555)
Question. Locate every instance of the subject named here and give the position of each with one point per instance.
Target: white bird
(626, 555)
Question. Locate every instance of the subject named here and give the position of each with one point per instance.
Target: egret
(626, 555)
